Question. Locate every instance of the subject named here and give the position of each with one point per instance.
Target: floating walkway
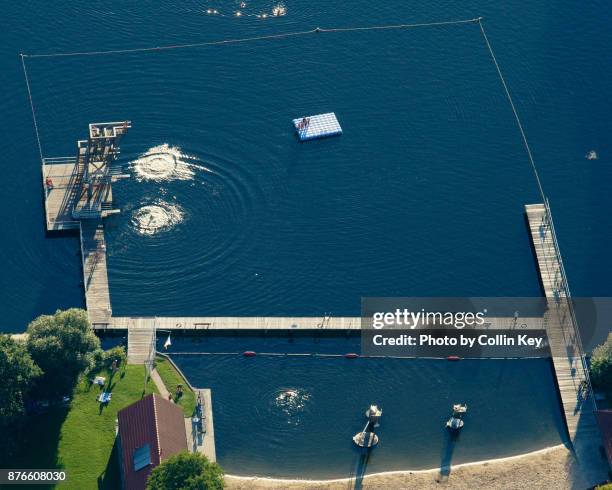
(319, 126)
(565, 345)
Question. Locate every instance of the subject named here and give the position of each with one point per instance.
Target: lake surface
(227, 214)
(294, 416)
(422, 195)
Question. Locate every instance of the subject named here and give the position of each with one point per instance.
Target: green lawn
(80, 438)
(171, 378)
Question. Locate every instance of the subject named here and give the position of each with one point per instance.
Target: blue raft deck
(319, 126)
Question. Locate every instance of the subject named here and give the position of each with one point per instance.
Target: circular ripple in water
(157, 217)
(287, 405)
(164, 162)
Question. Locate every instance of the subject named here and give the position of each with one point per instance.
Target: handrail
(565, 286)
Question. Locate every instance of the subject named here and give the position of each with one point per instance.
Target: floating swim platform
(319, 126)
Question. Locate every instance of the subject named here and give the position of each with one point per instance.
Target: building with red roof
(150, 431)
(604, 418)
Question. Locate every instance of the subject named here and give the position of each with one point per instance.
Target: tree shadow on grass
(110, 478)
(39, 442)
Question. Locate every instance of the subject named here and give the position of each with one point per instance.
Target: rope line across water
(27, 80)
(335, 356)
(248, 39)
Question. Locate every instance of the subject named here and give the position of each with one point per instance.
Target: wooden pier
(280, 323)
(566, 348)
(95, 275)
(77, 196)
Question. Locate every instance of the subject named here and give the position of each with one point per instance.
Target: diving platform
(78, 195)
(319, 126)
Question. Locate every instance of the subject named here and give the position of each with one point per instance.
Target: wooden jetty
(566, 348)
(95, 275)
(77, 196)
(272, 323)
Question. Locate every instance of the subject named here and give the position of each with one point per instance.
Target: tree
(64, 346)
(186, 471)
(601, 365)
(17, 374)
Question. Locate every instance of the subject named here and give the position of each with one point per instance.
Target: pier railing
(85, 278)
(562, 290)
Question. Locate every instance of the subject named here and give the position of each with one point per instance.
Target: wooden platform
(565, 345)
(60, 193)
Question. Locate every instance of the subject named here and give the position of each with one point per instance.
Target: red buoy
(249, 353)
(351, 355)
(453, 358)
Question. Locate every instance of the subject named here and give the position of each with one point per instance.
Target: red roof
(153, 421)
(604, 417)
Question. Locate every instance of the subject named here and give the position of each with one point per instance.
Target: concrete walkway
(161, 387)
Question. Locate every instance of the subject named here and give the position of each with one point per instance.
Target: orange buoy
(453, 358)
(249, 353)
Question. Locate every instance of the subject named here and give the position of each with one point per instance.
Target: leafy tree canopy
(64, 346)
(601, 365)
(17, 374)
(186, 471)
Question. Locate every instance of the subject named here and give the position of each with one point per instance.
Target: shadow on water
(451, 439)
(360, 465)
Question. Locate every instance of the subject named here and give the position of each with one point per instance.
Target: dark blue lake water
(422, 195)
(226, 214)
(304, 410)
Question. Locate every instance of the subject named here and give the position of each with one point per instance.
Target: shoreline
(401, 472)
(554, 464)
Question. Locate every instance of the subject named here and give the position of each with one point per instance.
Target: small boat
(453, 358)
(249, 353)
(351, 355)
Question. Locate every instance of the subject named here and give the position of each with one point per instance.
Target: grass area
(80, 438)
(171, 378)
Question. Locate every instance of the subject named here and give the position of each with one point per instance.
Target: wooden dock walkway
(271, 323)
(244, 323)
(95, 275)
(565, 345)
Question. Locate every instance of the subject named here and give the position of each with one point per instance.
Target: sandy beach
(553, 467)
